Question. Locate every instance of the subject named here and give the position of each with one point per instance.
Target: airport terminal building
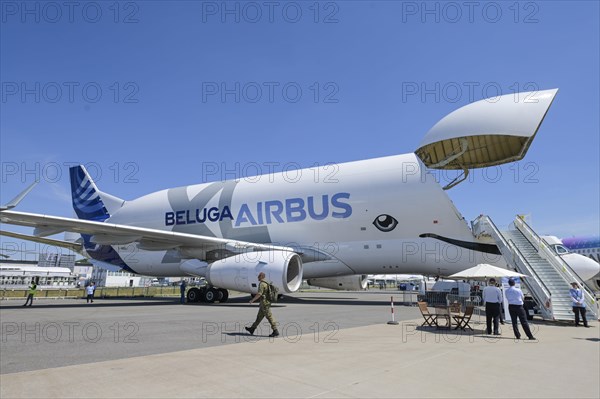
(18, 275)
(109, 278)
(61, 271)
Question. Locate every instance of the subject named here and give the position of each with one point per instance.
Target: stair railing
(557, 263)
(513, 255)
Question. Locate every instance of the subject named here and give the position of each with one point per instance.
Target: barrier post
(393, 321)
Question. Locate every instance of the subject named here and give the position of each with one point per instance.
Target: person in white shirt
(492, 297)
(515, 298)
(578, 303)
(89, 290)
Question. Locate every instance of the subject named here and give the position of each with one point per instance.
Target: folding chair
(462, 322)
(455, 308)
(430, 318)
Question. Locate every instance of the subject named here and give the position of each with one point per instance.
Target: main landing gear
(207, 294)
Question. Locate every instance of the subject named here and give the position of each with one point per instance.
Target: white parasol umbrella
(483, 271)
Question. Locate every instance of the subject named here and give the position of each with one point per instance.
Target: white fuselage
(330, 209)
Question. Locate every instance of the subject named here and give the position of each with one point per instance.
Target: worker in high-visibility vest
(32, 290)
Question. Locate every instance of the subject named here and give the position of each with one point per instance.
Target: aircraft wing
(117, 234)
(73, 246)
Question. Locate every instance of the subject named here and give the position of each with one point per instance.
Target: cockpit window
(561, 250)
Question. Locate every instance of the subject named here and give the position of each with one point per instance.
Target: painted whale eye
(385, 223)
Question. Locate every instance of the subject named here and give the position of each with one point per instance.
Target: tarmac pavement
(331, 360)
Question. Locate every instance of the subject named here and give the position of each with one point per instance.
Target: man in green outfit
(265, 307)
(31, 293)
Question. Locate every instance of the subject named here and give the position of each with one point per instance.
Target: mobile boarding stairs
(550, 277)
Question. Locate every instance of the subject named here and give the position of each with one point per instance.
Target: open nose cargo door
(485, 133)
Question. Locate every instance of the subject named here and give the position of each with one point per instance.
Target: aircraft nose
(585, 267)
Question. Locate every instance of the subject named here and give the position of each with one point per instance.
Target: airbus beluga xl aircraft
(377, 216)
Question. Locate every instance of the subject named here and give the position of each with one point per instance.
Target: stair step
(543, 269)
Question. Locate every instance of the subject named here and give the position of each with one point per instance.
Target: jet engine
(345, 283)
(240, 272)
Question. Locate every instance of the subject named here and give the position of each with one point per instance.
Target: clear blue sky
(160, 118)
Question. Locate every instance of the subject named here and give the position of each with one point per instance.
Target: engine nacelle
(240, 272)
(344, 283)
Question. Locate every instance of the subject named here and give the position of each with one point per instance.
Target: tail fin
(89, 202)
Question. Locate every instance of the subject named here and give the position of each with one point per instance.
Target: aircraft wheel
(223, 295)
(193, 295)
(211, 295)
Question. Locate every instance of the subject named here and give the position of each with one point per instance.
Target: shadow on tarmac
(241, 301)
(245, 334)
(476, 333)
(589, 339)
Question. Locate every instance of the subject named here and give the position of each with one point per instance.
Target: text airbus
(268, 212)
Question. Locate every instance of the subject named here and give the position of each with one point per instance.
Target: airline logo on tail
(86, 201)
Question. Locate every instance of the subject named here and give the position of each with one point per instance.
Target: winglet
(15, 201)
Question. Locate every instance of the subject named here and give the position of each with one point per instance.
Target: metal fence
(101, 292)
(406, 298)
(464, 301)
(434, 298)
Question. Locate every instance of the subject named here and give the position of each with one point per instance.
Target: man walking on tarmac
(265, 307)
(90, 292)
(514, 297)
